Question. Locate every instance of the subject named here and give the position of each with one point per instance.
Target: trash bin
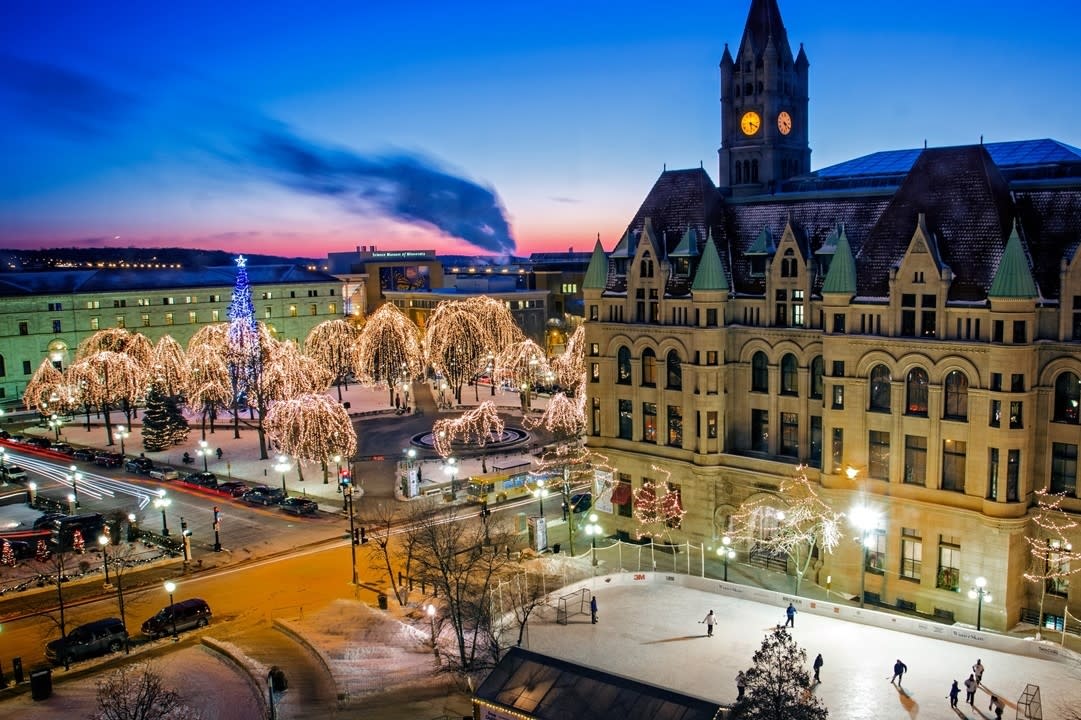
(17, 669)
(277, 679)
(382, 601)
(41, 683)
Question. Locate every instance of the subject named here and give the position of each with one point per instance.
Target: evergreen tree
(8, 555)
(778, 684)
(157, 434)
(78, 544)
(42, 553)
(176, 422)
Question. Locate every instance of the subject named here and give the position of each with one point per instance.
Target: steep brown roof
(678, 200)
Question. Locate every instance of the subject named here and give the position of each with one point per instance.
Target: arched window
(649, 367)
(789, 375)
(3, 369)
(739, 173)
(1067, 398)
(916, 392)
(623, 366)
(759, 372)
(956, 396)
(754, 171)
(817, 371)
(675, 371)
(646, 267)
(880, 388)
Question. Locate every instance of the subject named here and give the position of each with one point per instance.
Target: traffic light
(356, 536)
(363, 536)
(484, 511)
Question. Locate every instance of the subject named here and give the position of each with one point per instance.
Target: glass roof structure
(1006, 155)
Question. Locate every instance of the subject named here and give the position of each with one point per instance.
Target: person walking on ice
(954, 692)
(790, 611)
(818, 663)
(899, 669)
(970, 689)
(593, 609)
(710, 620)
(977, 671)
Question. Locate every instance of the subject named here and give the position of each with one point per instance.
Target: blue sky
(228, 125)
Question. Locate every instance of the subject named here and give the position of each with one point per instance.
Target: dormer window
(645, 268)
(758, 266)
(789, 269)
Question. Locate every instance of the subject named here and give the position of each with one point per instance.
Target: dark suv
(204, 479)
(139, 465)
(90, 640)
(184, 615)
(263, 495)
(109, 459)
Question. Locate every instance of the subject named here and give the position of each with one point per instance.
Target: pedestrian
(977, 671)
(954, 692)
(818, 666)
(218, 452)
(791, 613)
(997, 706)
(899, 669)
(709, 620)
(970, 689)
(741, 685)
(593, 609)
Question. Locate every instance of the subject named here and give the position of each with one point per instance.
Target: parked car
(108, 459)
(90, 640)
(13, 473)
(46, 521)
(184, 615)
(163, 473)
(84, 453)
(62, 448)
(39, 442)
(205, 479)
(263, 495)
(139, 465)
(90, 526)
(299, 506)
(582, 502)
(235, 488)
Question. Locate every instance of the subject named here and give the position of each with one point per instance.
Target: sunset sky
(279, 127)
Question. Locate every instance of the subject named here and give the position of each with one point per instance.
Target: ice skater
(997, 706)
(710, 620)
(593, 609)
(970, 689)
(818, 666)
(977, 671)
(899, 669)
(954, 692)
(790, 612)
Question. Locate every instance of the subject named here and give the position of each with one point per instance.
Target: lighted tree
(163, 424)
(311, 427)
(778, 684)
(44, 388)
(41, 552)
(1052, 557)
(523, 365)
(456, 343)
(801, 523)
(333, 345)
(388, 348)
(565, 457)
(137, 692)
(108, 380)
(169, 366)
(7, 555)
(209, 383)
(78, 543)
(497, 320)
(657, 507)
(477, 427)
(134, 346)
(570, 367)
(288, 373)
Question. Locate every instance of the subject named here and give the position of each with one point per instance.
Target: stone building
(905, 324)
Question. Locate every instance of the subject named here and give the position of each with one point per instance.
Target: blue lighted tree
(242, 342)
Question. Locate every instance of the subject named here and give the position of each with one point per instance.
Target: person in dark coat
(818, 663)
(593, 609)
(741, 685)
(955, 691)
(899, 669)
(790, 611)
(970, 689)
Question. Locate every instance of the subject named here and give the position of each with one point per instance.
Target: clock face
(750, 122)
(784, 123)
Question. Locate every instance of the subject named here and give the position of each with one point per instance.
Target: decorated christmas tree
(7, 556)
(157, 434)
(78, 544)
(42, 553)
(177, 423)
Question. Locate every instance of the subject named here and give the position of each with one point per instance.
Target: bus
(498, 487)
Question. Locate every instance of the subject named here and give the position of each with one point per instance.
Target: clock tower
(763, 107)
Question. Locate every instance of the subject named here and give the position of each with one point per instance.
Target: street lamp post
(163, 502)
(217, 529)
(540, 492)
(348, 490)
(431, 621)
(103, 541)
(75, 476)
(121, 433)
(170, 587)
(451, 471)
(979, 594)
(133, 530)
(337, 461)
(55, 423)
(866, 520)
(727, 553)
(283, 467)
(71, 503)
(204, 451)
(593, 529)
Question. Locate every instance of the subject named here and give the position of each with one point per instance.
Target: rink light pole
(283, 467)
(121, 434)
(979, 594)
(161, 502)
(593, 529)
(727, 553)
(170, 587)
(865, 520)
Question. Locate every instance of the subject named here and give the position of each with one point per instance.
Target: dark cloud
(403, 187)
(66, 100)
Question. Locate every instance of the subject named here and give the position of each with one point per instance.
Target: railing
(764, 557)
